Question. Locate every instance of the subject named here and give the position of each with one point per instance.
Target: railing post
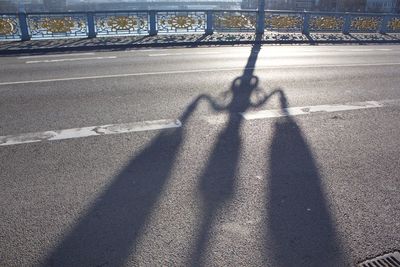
(91, 27)
(23, 24)
(209, 25)
(305, 29)
(260, 18)
(385, 21)
(347, 24)
(153, 23)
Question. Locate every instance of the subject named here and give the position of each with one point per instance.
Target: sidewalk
(123, 42)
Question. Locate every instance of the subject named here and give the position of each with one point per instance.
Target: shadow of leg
(108, 233)
(300, 226)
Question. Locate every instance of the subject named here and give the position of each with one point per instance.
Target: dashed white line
(140, 50)
(58, 55)
(88, 131)
(165, 124)
(200, 71)
(67, 59)
(294, 111)
(183, 54)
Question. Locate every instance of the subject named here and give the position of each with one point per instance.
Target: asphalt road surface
(218, 156)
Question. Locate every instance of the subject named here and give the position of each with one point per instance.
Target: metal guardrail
(26, 26)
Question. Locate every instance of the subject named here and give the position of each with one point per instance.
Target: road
(214, 156)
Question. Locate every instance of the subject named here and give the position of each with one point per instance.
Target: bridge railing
(26, 26)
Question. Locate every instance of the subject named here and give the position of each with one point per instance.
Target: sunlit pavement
(220, 156)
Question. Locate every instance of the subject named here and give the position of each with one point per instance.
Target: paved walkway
(121, 42)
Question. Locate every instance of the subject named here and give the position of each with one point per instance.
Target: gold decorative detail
(326, 23)
(394, 24)
(58, 25)
(241, 21)
(122, 23)
(7, 26)
(361, 23)
(282, 22)
(182, 22)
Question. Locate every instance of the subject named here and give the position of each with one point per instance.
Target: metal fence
(26, 26)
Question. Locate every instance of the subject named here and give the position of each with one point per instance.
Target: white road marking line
(183, 54)
(165, 124)
(67, 59)
(363, 50)
(88, 131)
(199, 71)
(354, 50)
(160, 55)
(141, 50)
(294, 111)
(58, 55)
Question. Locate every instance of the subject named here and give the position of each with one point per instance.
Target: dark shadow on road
(107, 234)
(217, 182)
(299, 224)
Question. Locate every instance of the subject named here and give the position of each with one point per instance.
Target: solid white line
(58, 55)
(88, 131)
(67, 59)
(199, 71)
(294, 111)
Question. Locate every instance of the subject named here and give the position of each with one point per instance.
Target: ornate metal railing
(121, 23)
(24, 26)
(392, 24)
(326, 22)
(235, 21)
(178, 22)
(57, 25)
(368, 23)
(9, 27)
(284, 21)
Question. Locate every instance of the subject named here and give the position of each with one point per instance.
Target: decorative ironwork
(235, 21)
(286, 22)
(47, 26)
(121, 23)
(365, 24)
(181, 21)
(76, 24)
(326, 23)
(9, 27)
(394, 25)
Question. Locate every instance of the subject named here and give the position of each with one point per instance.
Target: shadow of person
(217, 181)
(300, 229)
(107, 234)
